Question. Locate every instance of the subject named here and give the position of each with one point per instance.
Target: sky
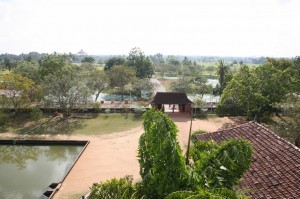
(171, 27)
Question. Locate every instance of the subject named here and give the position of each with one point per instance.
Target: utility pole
(189, 141)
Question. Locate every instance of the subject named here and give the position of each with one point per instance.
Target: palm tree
(223, 69)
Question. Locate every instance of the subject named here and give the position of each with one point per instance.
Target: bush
(36, 114)
(229, 107)
(4, 118)
(115, 188)
(221, 165)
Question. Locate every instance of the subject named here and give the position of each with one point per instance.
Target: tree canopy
(254, 92)
(88, 60)
(140, 63)
(53, 63)
(19, 90)
(223, 69)
(114, 61)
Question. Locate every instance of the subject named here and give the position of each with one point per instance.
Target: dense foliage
(122, 188)
(221, 166)
(114, 61)
(140, 63)
(55, 81)
(161, 161)
(19, 91)
(254, 92)
(223, 69)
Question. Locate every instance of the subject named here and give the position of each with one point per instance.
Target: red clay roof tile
(275, 168)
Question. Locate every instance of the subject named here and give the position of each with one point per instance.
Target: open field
(109, 123)
(87, 124)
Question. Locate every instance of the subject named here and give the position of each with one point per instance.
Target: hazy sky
(185, 27)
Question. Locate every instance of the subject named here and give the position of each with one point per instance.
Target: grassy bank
(83, 124)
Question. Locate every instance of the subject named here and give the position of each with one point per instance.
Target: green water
(27, 171)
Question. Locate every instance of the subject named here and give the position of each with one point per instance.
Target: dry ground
(115, 155)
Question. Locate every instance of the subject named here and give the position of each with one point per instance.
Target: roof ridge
(258, 124)
(226, 129)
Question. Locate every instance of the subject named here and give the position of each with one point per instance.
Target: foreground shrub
(113, 189)
(206, 194)
(221, 165)
(162, 166)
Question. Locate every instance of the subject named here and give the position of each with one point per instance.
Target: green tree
(9, 64)
(199, 104)
(210, 69)
(162, 165)
(29, 69)
(256, 91)
(140, 63)
(200, 86)
(223, 69)
(114, 61)
(221, 165)
(281, 64)
(19, 91)
(122, 188)
(186, 61)
(66, 88)
(120, 76)
(163, 68)
(142, 85)
(51, 64)
(182, 85)
(222, 193)
(296, 65)
(202, 89)
(296, 77)
(97, 82)
(88, 60)
(172, 60)
(158, 58)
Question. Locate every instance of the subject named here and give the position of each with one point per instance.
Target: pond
(27, 171)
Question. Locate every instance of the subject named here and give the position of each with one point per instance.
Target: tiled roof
(275, 168)
(170, 98)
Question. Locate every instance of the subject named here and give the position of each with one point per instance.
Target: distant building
(81, 53)
(169, 98)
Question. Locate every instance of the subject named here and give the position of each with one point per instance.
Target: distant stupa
(81, 52)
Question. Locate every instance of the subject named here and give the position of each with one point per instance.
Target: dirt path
(158, 87)
(115, 155)
(183, 122)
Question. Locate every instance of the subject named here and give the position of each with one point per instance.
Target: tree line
(54, 80)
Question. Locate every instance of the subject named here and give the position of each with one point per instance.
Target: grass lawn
(109, 123)
(83, 124)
